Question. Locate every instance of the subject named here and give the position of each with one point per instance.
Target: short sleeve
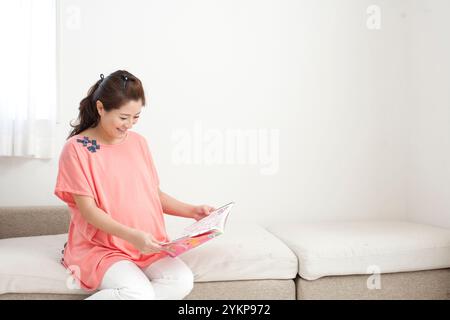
(73, 176)
(150, 163)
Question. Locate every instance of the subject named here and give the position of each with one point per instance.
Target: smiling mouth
(121, 131)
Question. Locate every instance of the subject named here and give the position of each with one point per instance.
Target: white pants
(166, 279)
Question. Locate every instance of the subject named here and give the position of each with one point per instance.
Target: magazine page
(199, 232)
(214, 221)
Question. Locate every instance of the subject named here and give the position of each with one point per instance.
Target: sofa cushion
(344, 248)
(243, 252)
(31, 264)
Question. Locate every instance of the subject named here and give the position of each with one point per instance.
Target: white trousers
(166, 279)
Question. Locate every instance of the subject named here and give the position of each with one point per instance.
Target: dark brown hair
(113, 91)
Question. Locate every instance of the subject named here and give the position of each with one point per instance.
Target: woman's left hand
(199, 212)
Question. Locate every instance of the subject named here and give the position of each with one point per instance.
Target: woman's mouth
(121, 131)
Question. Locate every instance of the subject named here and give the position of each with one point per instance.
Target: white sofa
(247, 262)
(369, 259)
(345, 260)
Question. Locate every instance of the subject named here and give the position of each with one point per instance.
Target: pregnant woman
(107, 178)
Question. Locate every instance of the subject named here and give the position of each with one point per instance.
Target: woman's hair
(113, 91)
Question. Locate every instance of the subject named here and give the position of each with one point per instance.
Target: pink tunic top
(123, 181)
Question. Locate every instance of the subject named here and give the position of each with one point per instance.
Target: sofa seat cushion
(365, 247)
(243, 252)
(31, 264)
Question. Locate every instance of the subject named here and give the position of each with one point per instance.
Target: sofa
(284, 261)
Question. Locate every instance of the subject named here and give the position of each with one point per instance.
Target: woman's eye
(127, 118)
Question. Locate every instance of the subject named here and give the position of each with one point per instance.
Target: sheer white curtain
(27, 78)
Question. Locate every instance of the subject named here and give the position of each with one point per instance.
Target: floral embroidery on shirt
(93, 147)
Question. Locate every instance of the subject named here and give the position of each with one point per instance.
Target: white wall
(429, 179)
(335, 91)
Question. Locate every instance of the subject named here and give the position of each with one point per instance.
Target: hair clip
(125, 79)
(102, 76)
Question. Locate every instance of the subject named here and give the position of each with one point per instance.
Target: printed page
(215, 220)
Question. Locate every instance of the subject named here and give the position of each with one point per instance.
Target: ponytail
(88, 116)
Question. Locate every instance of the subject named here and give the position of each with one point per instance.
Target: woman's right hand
(144, 242)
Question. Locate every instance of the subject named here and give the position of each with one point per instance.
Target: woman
(108, 179)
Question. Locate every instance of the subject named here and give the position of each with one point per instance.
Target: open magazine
(200, 232)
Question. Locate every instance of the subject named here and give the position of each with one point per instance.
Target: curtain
(27, 78)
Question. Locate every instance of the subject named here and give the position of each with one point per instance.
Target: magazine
(200, 232)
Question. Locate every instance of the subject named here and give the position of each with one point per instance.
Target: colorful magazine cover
(200, 232)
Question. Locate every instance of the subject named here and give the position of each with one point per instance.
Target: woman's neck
(100, 135)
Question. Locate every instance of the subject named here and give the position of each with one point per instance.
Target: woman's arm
(174, 207)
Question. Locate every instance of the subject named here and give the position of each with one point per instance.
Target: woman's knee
(172, 276)
(183, 285)
(127, 282)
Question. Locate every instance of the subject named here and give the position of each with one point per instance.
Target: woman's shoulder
(77, 142)
(73, 143)
(74, 139)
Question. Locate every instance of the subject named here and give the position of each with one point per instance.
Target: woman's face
(116, 122)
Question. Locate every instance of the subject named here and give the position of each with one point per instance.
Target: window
(27, 78)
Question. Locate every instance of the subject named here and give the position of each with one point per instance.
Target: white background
(363, 115)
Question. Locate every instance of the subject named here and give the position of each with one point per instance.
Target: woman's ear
(100, 108)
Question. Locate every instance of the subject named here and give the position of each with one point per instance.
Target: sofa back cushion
(33, 221)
